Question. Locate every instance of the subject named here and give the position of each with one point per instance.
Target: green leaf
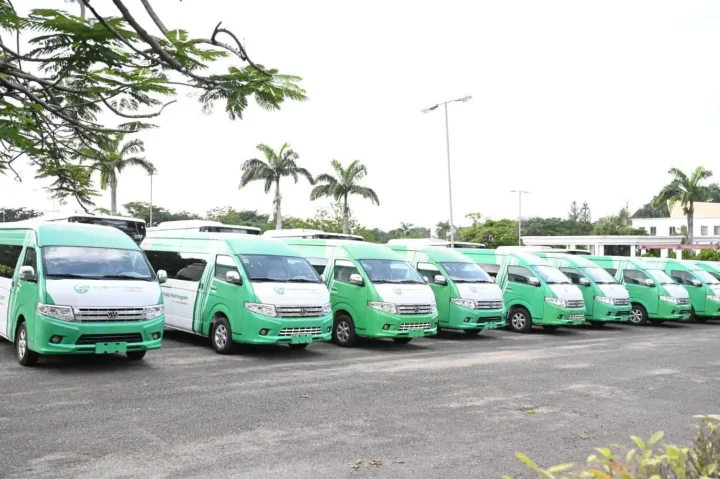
(527, 461)
(655, 438)
(638, 442)
(559, 469)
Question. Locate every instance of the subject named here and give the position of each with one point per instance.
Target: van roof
(441, 255)
(579, 261)
(178, 224)
(237, 243)
(635, 262)
(362, 250)
(689, 265)
(63, 216)
(74, 234)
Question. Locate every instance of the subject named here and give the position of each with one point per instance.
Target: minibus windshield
(466, 273)
(390, 271)
(551, 275)
(68, 262)
(705, 277)
(599, 276)
(660, 276)
(278, 269)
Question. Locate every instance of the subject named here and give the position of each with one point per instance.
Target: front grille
(109, 338)
(296, 331)
(575, 303)
(621, 302)
(109, 315)
(683, 301)
(488, 304)
(413, 326)
(414, 308)
(299, 311)
(575, 317)
(489, 320)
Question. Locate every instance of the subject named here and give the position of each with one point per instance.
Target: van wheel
(135, 355)
(221, 336)
(344, 331)
(402, 340)
(597, 324)
(657, 322)
(24, 355)
(638, 315)
(697, 319)
(471, 332)
(519, 320)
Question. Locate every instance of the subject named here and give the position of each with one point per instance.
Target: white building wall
(663, 226)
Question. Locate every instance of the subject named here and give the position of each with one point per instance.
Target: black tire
(550, 327)
(298, 346)
(135, 355)
(344, 331)
(23, 353)
(519, 320)
(471, 332)
(402, 340)
(657, 322)
(697, 319)
(597, 324)
(439, 331)
(221, 336)
(638, 315)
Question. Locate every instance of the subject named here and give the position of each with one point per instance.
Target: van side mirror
(695, 282)
(584, 282)
(356, 279)
(533, 281)
(26, 273)
(440, 279)
(162, 276)
(426, 279)
(650, 283)
(233, 277)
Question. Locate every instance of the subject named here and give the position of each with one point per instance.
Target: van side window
(181, 266)
(682, 277)
(573, 274)
(634, 277)
(519, 274)
(428, 271)
(223, 265)
(343, 270)
(491, 269)
(611, 271)
(318, 264)
(9, 256)
(30, 258)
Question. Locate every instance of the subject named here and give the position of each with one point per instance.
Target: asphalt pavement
(436, 408)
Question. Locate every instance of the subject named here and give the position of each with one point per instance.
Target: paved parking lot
(450, 407)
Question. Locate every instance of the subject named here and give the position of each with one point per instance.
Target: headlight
(384, 307)
(64, 313)
(260, 308)
(605, 299)
(557, 302)
(152, 312)
(713, 298)
(669, 299)
(433, 308)
(466, 303)
(326, 309)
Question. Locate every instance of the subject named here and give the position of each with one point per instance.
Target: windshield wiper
(411, 281)
(70, 276)
(125, 276)
(269, 280)
(471, 280)
(301, 280)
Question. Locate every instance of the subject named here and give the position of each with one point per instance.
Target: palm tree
(442, 229)
(685, 190)
(113, 158)
(278, 164)
(406, 228)
(342, 185)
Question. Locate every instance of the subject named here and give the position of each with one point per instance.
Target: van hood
(480, 292)
(616, 291)
(675, 290)
(566, 291)
(102, 294)
(715, 288)
(405, 293)
(292, 294)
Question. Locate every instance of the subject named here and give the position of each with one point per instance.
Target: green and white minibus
(204, 226)
(467, 298)
(654, 296)
(374, 292)
(702, 287)
(712, 267)
(535, 292)
(298, 233)
(239, 289)
(69, 288)
(606, 300)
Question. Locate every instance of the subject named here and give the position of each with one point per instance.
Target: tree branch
(125, 115)
(154, 17)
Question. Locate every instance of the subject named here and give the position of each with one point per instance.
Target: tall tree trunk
(690, 225)
(277, 201)
(113, 196)
(346, 216)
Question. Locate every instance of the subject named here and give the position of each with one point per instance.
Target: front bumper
(558, 316)
(609, 313)
(672, 312)
(281, 330)
(386, 325)
(94, 338)
(462, 318)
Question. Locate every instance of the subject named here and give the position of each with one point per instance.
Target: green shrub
(648, 460)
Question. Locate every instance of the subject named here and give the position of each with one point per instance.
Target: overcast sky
(572, 100)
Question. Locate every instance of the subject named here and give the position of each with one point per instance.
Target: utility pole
(151, 199)
(520, 193)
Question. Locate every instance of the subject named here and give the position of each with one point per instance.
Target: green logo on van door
(280, 290)
(82, 288)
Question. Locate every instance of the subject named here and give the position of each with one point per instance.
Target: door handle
(509, 289)
(213, 288)
(333, 288)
